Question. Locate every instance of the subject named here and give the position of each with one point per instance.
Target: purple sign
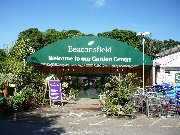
(55, 90)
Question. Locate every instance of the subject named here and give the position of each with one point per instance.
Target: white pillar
(154, 73)
(143, 65)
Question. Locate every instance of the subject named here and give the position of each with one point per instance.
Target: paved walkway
(84, 117)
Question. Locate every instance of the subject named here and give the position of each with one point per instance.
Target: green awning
(89, 50)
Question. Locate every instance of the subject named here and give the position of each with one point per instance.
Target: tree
(51, 35)
(32, 40)
(21, 50)
(29, 83)
(33, 37)
(126, 36)
(2, 54)
(119, 94)
(28, 41)
(167, 44)
(152, 46)
(73, 33)
(2, 59)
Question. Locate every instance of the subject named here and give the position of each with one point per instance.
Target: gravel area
(82, 117)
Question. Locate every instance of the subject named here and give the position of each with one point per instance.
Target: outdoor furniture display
(158, 100)
(138, 100)
(169, 97)
(177, 88)
(148, 89)
(163, 103)
(171, 107)
(153, 104)
(178, 106)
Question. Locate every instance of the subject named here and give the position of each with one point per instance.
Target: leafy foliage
(74, 33)
(2, 59)
(65, 89)
(152, 46)
(23, 100)
(73, 93)
(33, 38)
(51, 35)
(21, 50)
(2, 54)
(111, 105)
(119, 94)
(168, 44)
(125, 36)
(14, 68)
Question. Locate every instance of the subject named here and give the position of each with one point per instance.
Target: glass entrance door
(88, 88)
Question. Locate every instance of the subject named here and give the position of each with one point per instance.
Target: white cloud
(100, 3)
(97, 3)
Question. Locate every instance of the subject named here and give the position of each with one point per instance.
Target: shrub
(73, 92)
(120, 92)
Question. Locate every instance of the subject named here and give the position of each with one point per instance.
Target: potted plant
(73, 93)
(5, 90)
(119, 95)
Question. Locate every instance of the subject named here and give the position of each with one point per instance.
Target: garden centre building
(168, 66)
(88, 58)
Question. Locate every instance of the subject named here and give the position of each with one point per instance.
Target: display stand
(55, 94)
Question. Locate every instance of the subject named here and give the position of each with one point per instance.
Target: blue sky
(160, 17)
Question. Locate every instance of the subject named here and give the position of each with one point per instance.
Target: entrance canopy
(89, 50)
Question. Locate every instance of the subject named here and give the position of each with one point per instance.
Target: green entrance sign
(89, 50)
(177, 78)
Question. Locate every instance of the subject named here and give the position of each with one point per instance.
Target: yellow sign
(12, 85)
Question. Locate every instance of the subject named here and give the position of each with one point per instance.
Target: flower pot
(5, 91)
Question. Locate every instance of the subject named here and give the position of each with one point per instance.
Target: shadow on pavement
(29, 124)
